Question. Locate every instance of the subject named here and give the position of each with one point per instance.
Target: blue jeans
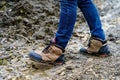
(68, 10)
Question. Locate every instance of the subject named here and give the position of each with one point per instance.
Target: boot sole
(47, 62)
(97, 54)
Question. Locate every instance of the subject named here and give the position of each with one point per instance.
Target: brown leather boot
(51, 54)
(96, 46)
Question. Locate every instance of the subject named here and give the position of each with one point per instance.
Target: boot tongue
(53, 44)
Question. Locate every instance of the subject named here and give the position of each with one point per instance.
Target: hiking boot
(97, 47)
(51, 54)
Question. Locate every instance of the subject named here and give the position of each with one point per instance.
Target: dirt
(29, 25)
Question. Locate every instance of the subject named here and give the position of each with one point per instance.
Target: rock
(28, 77)
(89, 60)
(118, 42)
(9, 69)
(60, 71)
(69, 67)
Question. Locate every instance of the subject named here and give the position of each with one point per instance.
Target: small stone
(63, 73)
(14, 60)
(69, 62)
(14, 78)
(60, 71)
(28, 77)
(89, 60)
(118, 42)
(9, 69)
(70, 67)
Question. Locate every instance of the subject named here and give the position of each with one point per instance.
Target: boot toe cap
(83, 50)
(35, 56)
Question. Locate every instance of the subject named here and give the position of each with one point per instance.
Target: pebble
(118, 42)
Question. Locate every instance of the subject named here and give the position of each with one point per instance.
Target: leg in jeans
(68, 10)
(97, 44)
(92, 17)
(53, 52)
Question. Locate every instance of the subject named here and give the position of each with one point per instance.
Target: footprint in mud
(39, 71)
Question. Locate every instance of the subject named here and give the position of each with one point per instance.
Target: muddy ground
(27, 25)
